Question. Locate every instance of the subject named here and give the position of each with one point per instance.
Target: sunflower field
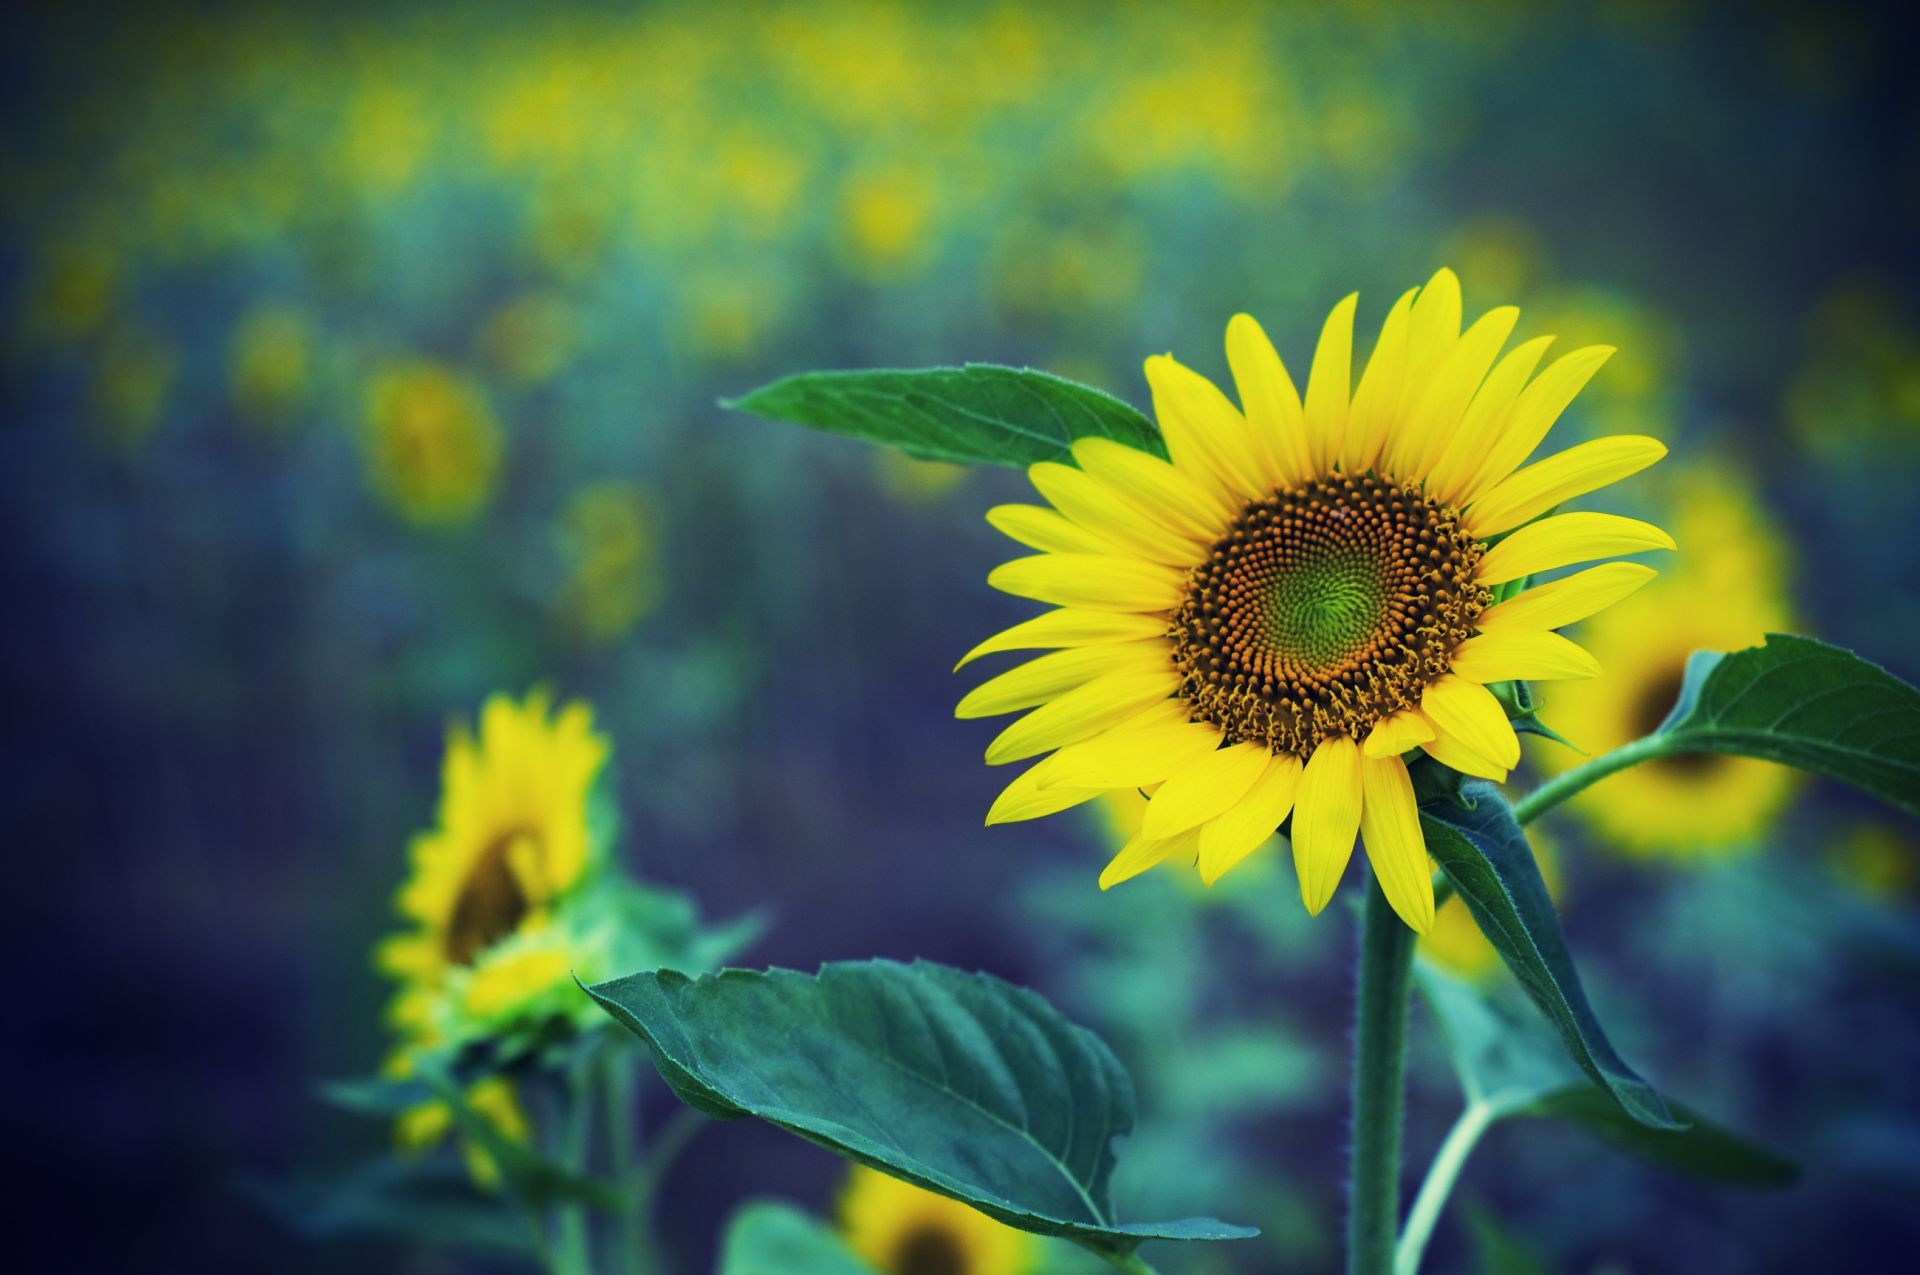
(859, 637)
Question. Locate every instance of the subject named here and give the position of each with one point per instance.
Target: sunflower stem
(1379, 1074)
(1477, 1117)
(1132, 1263)
(1585, 775)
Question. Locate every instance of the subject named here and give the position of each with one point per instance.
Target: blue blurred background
(359, 365)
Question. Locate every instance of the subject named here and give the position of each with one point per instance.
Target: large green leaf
(957, 1082)
(1508, 1061)
(1804, 703)
(1484, 853)
(766, 1237)
(978, 414)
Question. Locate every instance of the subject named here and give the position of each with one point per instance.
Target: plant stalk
(1588, 773)
(1474, 1121)
(1379, 1074)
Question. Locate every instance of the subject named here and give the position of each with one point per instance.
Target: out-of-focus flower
(1879, 859)
(385, 137)
(889, 218)
(1859, 386)
(1270, 622)
(904, 1230)
(131, 379)
(1728, 591)
(424, 1127)
(270, 363)
(1504, 253)
(613, 576)
(431, 441)
(76, 291)
(530, 338)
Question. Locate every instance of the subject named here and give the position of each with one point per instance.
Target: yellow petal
(1485, 417)
(1326, 818)
(1449, 751)
(1376, 401)
(1565, 601)
(1157, 489)
(1133, 758)
(1275, 417)
(1093, 581)
(1538, 407)
(1507, 657)
(1329, 382)
(1245, 826)
(1144, 852)
(1042, 678)
(1206, 436)
(1436, 412)
(1204, 787)
(1394, 735)
(1565, 539)
(1574, 472)
(1470, 714)
(1046, 530)
(1390, 829)
(1080, 714)
(1069, 627)
(1024, 798)
(1436, 322)
(1111, 516)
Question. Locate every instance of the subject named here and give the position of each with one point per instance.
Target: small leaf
(767, 1237)
(1702, 1149)
(428, 1200)
(956, 1082)
(978, 414)
(1487, 858)
(1803, 703)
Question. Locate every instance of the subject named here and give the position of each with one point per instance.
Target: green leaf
(1800, 702)
(1486, 856)
(430, 1201)
(978, 414)
(1508, 1061)
(956, 1082)
(767, 1237)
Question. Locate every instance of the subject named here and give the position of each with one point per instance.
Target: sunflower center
(1323, 609)
(928, 1250)
(1650, 709)
(491, 903)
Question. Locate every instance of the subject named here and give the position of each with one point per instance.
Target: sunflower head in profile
(903, 1230)
(511, 845)
(1729, 593)
(1307, 593)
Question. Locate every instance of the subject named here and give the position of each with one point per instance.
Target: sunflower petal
(1112, 516)
(1203, 788)
(1042, 678)
(1326, 818)
(1133, 757)
(1509, 657)
(1245, 826)
(1449, 751)
(1565, 539)
(1565, 601)
(1047, 530)
(1435, 414)
(1024, 798)
(1376, 401)
(1485, 417)
(1436, 322)
(1329, 382)
(1574, 472)
(1094, 581)
(1534, 413)
(1390, 830)
(1205, 433)
(1275, 417)
(1081, 714)
(1069, 627)
(1469, 713)
(1159, 490)
(1145, 852)
(1394, 735)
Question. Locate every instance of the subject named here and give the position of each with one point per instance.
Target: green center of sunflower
(1324, 609)
(491, 903)
(928, 1250)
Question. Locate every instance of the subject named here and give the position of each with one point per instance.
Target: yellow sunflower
(1269, 622)
(1728, 594)
(903, 1230)
(512, 842)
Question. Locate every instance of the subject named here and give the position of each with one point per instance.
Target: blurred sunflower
(512, 843)
(1268, 623)
(432, 443)
(903, 1230)
(1728, 594)
(423, 1127)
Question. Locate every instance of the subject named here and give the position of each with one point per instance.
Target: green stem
(1379, 1073)
(1131, 1263)
(622, 1112)
(1474, 1121)
(1565, 785)
(574, 1250)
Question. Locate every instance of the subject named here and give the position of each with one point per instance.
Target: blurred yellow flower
(1880, 860)
(1728, 592)
(270, 362)
(612, 577)
(423, 1127)
(431, 441)
(889, 219)
(904, 1230)
(385, 137)
(530, 338)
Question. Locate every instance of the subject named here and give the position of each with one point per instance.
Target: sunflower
(1271, 621)
(904, 1230)
(1728, 595)
(512, 843)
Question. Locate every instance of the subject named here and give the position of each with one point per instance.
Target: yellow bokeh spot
(271, 363)
(904, 1230)
(431, 441)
